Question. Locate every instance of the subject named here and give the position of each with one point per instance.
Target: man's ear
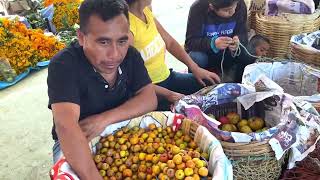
(80, 36)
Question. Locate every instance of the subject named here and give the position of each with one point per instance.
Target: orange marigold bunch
(25, 47)
(65, 13)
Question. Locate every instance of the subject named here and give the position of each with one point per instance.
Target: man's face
(226, 12)
(105, 43)
(262, 49)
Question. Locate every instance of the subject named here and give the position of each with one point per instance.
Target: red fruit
(233, 117)
(149, 170)
(224, 120)
(170, 155)
(170, 173)
(163, 158)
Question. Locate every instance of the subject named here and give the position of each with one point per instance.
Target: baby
(259, 45)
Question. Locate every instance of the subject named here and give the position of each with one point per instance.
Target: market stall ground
(25, 141)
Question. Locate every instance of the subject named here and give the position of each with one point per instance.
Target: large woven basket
(256, 6)
(250, 161)
(300, 53)
(279, 29)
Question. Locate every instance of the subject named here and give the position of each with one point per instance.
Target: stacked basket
(306, 55)
(255, 7)
(279, 29)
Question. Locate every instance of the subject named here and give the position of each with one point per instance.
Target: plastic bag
(276, 7)
(7, 73)
(296, 79)
(219, 166)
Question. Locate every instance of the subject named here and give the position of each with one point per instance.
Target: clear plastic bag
(7, 73)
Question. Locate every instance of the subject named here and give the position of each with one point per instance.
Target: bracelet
(213, 44)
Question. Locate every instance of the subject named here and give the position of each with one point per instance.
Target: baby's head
(259, 45)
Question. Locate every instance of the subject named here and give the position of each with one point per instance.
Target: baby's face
(262, 49)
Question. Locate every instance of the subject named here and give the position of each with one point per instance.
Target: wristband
(213, 44)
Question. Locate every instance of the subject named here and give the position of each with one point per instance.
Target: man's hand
(235, 44)
(201, 74)
(174, 97)
(223, 42)
(92, 126)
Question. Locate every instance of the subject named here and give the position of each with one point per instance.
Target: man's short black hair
(105, 9)
(222, 3)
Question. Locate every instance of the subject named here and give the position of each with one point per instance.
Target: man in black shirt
(95, 82)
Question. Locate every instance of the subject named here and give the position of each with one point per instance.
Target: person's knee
(199, 58)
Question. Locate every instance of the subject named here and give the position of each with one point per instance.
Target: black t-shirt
(71, 78)
(203, 24)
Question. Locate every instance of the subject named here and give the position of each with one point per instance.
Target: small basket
(250, 161)
(309, 56)
(279, 29)
(189, 127)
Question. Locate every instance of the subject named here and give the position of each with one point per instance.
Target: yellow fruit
(196, 177)
(171, 164)
(119, 133)
(203, 172)
(190, 164)
(264, 129)
(179, 174)
(102, 173)
(229, 127)
(144, 136)
(155, 169)
(134, 140)
(199, 163)
(142, 156)
(152, 126)
(205, 155)
(181, 166)
(149, 157)
(256, 123)
(242, 122)
(188, 171)
(245, 129)
(177, 159)
(233, 117)
(187, 138)
(175, 150)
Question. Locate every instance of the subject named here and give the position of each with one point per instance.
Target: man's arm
(144, 101)
(176, 50)
(171, 96)
(73, 143)
(195, 39)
